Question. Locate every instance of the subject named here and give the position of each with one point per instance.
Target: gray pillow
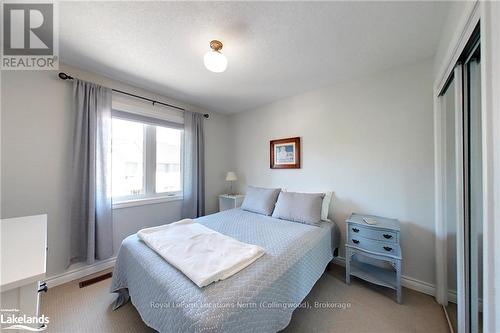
(299, 207)
(260, 200)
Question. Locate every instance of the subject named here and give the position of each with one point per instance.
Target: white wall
(452, 29)
(370, 141)
(36, 141)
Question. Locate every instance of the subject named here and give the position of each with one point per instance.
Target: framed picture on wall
(285, 153)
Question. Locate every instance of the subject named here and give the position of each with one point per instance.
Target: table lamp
(231, 177)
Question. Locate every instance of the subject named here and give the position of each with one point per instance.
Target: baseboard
(418, 285)
(79, 273)
(406, 281)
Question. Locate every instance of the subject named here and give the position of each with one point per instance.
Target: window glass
(168, 159)
(127, 158)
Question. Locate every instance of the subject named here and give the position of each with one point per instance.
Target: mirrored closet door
(473, 188)
(450, 201)
(461, 149)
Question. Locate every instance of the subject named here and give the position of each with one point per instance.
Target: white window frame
(149, 167)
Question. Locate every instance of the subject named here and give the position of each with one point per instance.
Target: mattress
(259, 298)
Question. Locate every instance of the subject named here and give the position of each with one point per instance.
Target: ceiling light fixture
(214, 60)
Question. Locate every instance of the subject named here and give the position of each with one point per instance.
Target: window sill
(145, 201)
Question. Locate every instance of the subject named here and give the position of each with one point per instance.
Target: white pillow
(325, 206)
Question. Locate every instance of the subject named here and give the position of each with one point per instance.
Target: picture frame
(285, 153)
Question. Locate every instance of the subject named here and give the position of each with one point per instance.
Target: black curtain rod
(65, 76)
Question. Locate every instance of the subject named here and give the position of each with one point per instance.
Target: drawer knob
(355, 229)
(387, 248)
(355, 241)
(387, 236)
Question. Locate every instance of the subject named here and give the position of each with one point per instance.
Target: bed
(260, 298)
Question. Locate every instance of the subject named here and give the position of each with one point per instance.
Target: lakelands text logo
(11, 319)
(29, 36)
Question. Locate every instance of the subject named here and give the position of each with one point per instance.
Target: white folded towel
(202, 254)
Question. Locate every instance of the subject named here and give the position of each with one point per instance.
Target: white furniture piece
(230, 201)
(23, 262)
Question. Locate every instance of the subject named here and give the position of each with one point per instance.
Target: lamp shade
(231, 176)
(215, 61)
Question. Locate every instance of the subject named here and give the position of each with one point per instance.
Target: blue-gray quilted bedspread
(259, 298)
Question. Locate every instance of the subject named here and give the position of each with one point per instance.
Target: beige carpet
(372, 309)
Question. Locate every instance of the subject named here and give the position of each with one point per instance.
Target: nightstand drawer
(380, 235)
(375, 246)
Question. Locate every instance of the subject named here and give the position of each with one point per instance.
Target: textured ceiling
(274, 49)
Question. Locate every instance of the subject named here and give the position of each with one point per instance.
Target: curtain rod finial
(65, 76)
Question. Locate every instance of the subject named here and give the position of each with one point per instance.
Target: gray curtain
(91, 211)
(193, 204)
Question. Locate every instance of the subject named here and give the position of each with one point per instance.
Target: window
(127, 158)
(168, 160)
(146, 159)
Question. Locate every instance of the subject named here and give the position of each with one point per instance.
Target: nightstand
(380, 243)
(230, 201)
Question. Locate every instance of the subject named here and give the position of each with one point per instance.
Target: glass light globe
(215, 61)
